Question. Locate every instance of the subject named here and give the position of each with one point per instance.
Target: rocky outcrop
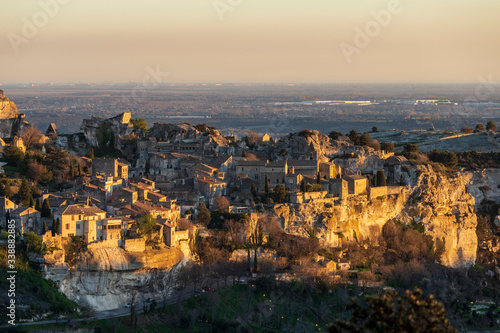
(102, 132)
(440, 203)
(484, 185)
(107, 278)
(7, 108)
(11, 121)
(308, 143)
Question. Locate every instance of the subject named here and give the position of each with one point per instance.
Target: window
(67, 226)
(72, 217)
(78, 226)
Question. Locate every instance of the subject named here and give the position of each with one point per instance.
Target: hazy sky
(250, 40)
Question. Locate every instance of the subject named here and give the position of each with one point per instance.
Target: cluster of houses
(169, 172)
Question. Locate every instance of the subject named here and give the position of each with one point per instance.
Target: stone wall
(109, 243)
(301, 197)
(134, 245)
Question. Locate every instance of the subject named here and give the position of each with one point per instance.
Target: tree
(148, 166)
(392, 313)
(411, 151)
(266, 186)
(387, 146)
(318, 178)
(31, 136)
(44, 229)
(139, 124)
(203, 217)
(374, 129)
(447, 158)
(254, 190)
(335, 135)
(466, 129)
(490, 126)
(31, 202)
(303, 187)
(479, 128)
(24, 193)
(13, 155)
(244, 154)
(46, 212)
(374, 144)
(147, 225)
(38, 205)
(279, 193)
(381, 181)
(91, 154)
(34, 242)
(364, 139)
(221, 204)
(54, 226)
(6, 190)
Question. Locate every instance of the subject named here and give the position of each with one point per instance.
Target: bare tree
(31, 136)
(221, 204)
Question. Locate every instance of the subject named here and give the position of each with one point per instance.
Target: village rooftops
(355, 177)
(251, 163)
(277, 164)
(210, 181)
(298, 163)
(24, 211)
(79, 210)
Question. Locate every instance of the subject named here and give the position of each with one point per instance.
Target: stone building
(109, 167)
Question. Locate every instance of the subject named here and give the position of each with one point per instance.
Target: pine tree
(8, 191)
(58, 226)
(31, 202)
(266, 187)
(46, 209)
(38, 205)
(91, 154)
(375, 180)
(381, 178)
(318, 179)
(54, 225)
(148, 166)
(254, 190)
(303, 186)
(24, 193)
(44, 229)
(79, 170)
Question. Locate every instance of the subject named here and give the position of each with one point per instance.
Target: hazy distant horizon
(258, 41)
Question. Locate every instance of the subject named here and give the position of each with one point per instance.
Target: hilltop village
(168, 171)
(128, 199)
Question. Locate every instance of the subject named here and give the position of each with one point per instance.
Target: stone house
(28, 219)
(80, 220)
(339, 187)
(357, 184)
(6, 205)
(210, 188)
(109, 167)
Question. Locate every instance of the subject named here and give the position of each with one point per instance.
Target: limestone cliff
(102, 132)
(7, 108)
(441, 203)
(11, 122)
(484, 185)
(106, 278)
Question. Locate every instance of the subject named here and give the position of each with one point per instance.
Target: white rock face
(442, 204)
(484, 185)
(107, 278)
